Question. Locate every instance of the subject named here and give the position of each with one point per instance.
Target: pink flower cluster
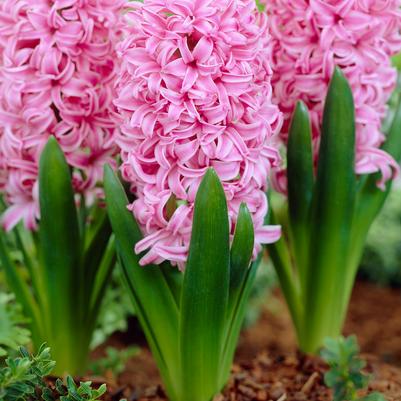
(311, 37)
(194, 92)
(57, 74)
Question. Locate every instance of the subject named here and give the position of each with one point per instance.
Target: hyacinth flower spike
(327, 217)
(191, 320)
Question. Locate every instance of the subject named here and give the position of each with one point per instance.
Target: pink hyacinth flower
(57, 73)
(194, 92)
(310, 38)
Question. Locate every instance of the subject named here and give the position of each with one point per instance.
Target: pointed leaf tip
(301, 108)
(242, 247)
(51, 149)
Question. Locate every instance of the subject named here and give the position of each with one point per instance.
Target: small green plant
(346, 375)
(114, 361)
(12, 321)
(23, 379)
(72, 392)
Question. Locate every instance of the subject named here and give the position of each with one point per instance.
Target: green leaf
(241, 280)
(235, 321)
(205, 292)
(300, 184)
(96, 244)
(60, 247)
(369, 202)
(241, 248)
(373, 397)
(154, 303)
(333, 205)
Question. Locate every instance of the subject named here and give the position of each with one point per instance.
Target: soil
(268, 367)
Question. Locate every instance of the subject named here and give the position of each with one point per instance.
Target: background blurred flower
(194, 92)
(311, 37)
(57, 73)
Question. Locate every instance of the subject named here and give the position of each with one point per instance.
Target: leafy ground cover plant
(346, 375)
(23, 376)
(66, 266)
(114, 361)
(23, 379)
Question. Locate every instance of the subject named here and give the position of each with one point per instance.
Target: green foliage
(114, 361)
(345, 376)
(60, 273)
(13, 332)
(381, 260)
(192, 320)
(22, 377)
(261, 7)
(328, 215)
(70, 391)
(114, 312)
(265, 282)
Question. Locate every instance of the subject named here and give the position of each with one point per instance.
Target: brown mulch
(268, 367)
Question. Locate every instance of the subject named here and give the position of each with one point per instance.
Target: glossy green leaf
(205, 292)
(333, 206)
(279, 252)
(152, 297)
(241, 281)
(236, 321)
(241, 248)
(370, 200)
(95, 253)
(60, 247)
(300, 184)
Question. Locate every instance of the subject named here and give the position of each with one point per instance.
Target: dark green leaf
(154, 303)
(60, 246)
(205, 292)
(333, 205)
(241, 248)
(300, 183)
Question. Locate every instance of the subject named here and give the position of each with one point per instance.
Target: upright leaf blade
(370, 200)
(333, 205)
(300, 184)
(236, 320)
(60, 247)
(205, 293)
(241, 248)
(151, 294)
